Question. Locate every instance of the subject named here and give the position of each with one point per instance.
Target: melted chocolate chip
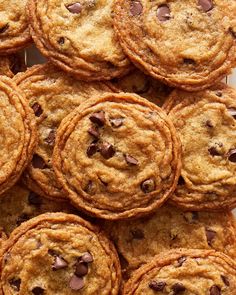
(181, 180)
(116, 122)
(38, 291)
(81, 269)
(148, 186)
(136, 8)
(232, 32)
(213, 151)
(189, 61)
(59, 263)
(87, 257)
(131, 160)
(98, 118)
(15, 284)
(178, 288)
(92, 149)
(50, 140)
(210, 235)
(22, 218)
(37, 109)
(94, 132)
(163, 13)
(232, 155)
(38, 162)
(181, 261)
(206, 5)
(76, 283)
(75, 8)
(209, 124)
(89, 188)
(61, 40)
(215, 290)
(107, 150)
(137, 234)
(232, 112)
(34, 199)
(225, 280)
(219, 93)
(157, 286)
(4, 28)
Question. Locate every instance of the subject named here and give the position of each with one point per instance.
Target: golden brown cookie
(58, 253)
(14, 32)
(52, 95)
(117, 156)
(205, 122)
(138, 241)
(190, 44)
(18, 133)
(78, 37)
(182, 271)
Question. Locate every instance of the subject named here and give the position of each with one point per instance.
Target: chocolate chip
(87, 257)
(148, 186)
(219, 93)
(181, 180)
(92, 149)
(98, 118)
(131, 160)
(38, 291)
(232, 112)
(137, 234)
(215, 290)
(163, 13)
(37, 109)
(15, 283)
(225, 280)
(59, 263)
(50, 140)
(232, 32)
(52, 252)
(136, 8)
(210, 235)
(89, 188)
(232, 155)
(38, 162)
(206, 5)
(34, 199)
(213, 151)
(178, 288)
(209, 124)
(76, 283)
(181, 261)
(75, 8)
(157, 286)
(94, 132)
(189, 61)
(81, 269)
(61, 40)
(22, 218)
(116, 122)
(4, 28)
(107, 150)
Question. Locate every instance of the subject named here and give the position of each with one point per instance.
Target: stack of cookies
(118, 155)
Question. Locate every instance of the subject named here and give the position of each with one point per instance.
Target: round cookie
(117, 156)
(18, 133)
(143, 85)
(205, 122)
(78, 37)
(14, 32)
(138, 241)
(189, 44)
(52, 95)
(60, 254)
(185, 272)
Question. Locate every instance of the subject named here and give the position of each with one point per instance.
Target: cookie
(18, 133)
(143, 85)
(52, 95)
(78, 37)
(14, 31)
(185, 271)
(59, 253)
(117, 156)
(138, 241)
(186, 44)
(205, 122)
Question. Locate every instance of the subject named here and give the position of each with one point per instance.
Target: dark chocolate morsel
(136, 8)
(131, 160)
(181, 261)
(215, 290)
(76, 283)
(61, 40)
(107, 150)
(206, 5)
(37, 109)
(94, 132)
(59, 263)
(87, 257)
(4, 28)
(116, 122)
(148, 185)
(157, 286)
(189, 61)
(98, 118)
(15, 283)
(38, 291)
(81, 269)
(232, 155)
(50, 140)
(92, 149)
(163, 13)
(75, 8)
(38, 162)
(210, 235)
(225, 280)
(232, 112)
(178, 288)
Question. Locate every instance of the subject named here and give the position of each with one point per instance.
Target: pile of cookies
(118, 155)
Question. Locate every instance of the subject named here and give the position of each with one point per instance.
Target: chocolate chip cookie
(185, 272)
(52, 95)
(205, 122)
(78, 37)
(18, 133)
(117, 156)
(190, 44)
(59, 253)
(138, 241)
(14, 32)
(143, 85)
